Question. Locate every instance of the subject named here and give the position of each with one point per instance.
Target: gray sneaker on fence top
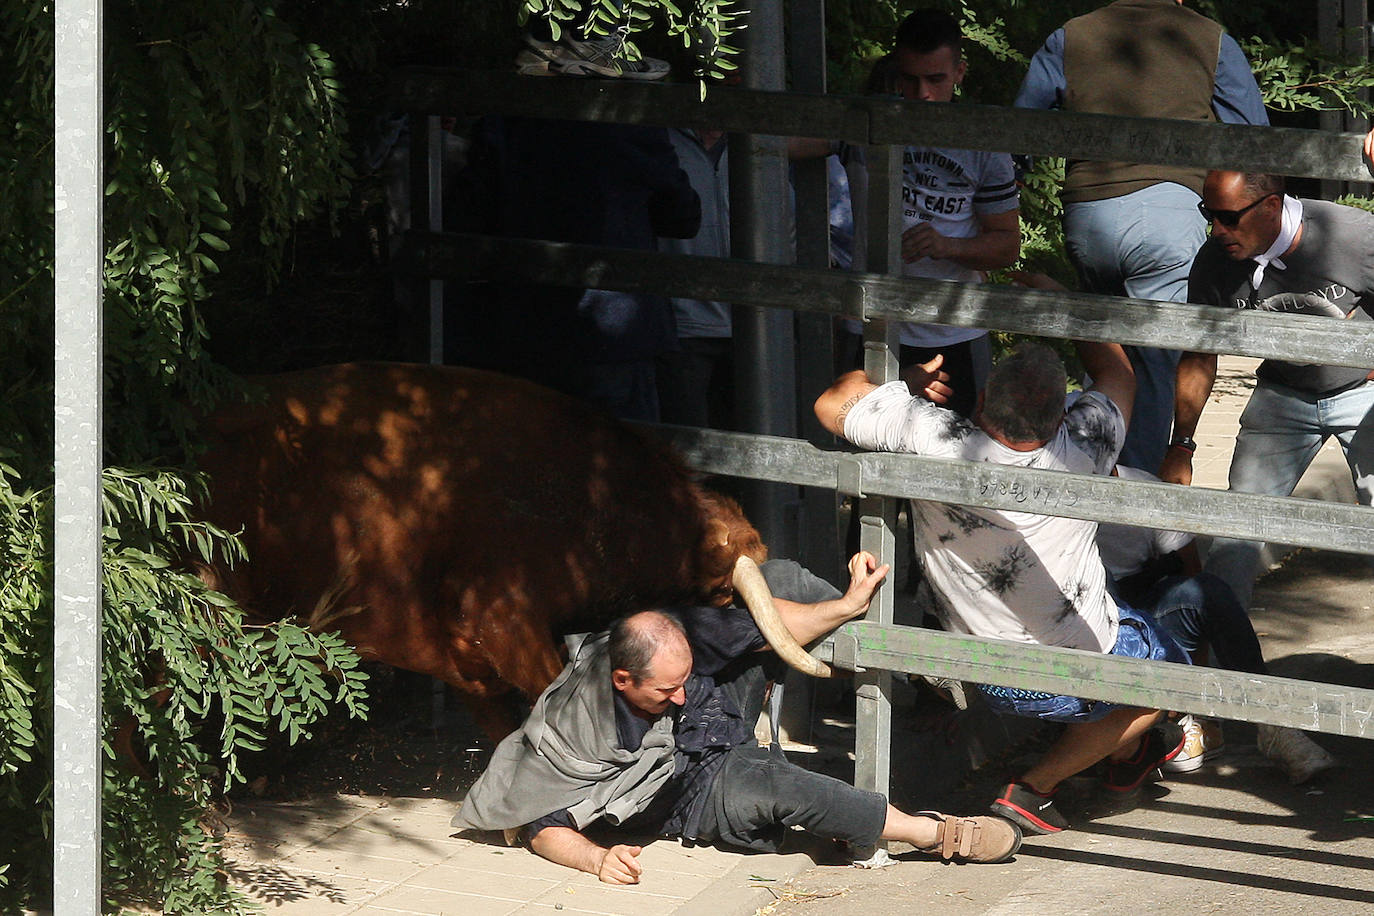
(602, 57)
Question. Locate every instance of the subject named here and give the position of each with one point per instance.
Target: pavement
(1233, 837)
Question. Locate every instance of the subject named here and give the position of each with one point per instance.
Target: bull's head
(730, 555)
(728, 535)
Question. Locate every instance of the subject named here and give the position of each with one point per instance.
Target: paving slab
(399, 855)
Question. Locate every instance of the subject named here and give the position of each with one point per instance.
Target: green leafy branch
(1306, 77)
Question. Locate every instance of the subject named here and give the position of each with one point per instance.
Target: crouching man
(1018, 575)
(650, 729)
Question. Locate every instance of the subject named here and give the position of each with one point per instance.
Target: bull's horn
(753, 589)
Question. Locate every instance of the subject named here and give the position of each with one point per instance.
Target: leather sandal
(972, 839)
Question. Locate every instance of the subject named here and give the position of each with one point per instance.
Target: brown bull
(454, 522)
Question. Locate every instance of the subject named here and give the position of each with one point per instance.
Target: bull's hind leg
(496, 715)
(498, 688)
(529, 664)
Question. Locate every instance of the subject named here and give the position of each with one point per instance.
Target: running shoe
(1159, 745)
(1028, 809)
(1299, 756)
(603, 57)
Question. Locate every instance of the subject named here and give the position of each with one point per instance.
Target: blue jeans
(1202, 610)
(1139, 636)
(1280, 432)
(1140, 245)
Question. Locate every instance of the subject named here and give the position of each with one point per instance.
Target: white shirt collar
(1292, 222)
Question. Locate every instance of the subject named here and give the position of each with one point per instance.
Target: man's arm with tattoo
(837, 400)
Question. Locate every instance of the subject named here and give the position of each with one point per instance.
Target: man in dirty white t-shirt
(1019, 575)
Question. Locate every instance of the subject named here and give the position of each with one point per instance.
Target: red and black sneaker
(1158, 746)
(1028, 809)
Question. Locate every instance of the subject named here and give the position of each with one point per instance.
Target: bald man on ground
(650, 731)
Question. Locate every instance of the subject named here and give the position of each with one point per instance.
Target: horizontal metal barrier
(1285, 520)
(1082, 316)
(871, 120)
(1337, 710)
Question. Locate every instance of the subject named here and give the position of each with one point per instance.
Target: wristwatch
(1184, 442)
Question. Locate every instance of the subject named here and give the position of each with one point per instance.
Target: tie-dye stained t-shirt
(1009, 575)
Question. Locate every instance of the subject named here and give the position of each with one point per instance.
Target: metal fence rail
(1092, 675)
(879, 121)
(1299, 522)
(1079, 316)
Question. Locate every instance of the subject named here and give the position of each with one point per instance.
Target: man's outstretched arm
(809, 622)
(1196, 374)
(565, 846)
(1110, 370)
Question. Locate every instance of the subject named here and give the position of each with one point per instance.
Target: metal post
(78, 191)
(815, 333)
(1343, 29)
(761, 230)
(819, 532)
(878, 522)
(423, 324)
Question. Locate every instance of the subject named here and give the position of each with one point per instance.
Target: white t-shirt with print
(1009, 575)
(950, 189)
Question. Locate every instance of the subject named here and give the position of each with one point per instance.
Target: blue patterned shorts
(1137, 637)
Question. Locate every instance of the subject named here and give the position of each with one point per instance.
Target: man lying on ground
(650, 729)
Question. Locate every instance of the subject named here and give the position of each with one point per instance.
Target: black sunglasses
(1229, 218)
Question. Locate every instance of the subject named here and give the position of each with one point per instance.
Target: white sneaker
(593, 57)
(1299, 756)
(1202, 740)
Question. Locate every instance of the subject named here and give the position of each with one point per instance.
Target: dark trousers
(1202, 611)
(696, 383)
(758, 795)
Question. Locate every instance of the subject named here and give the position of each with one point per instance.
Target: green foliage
(857, 34)
(1352, 200)
(224, 130)
(702, 26)
(178, 656)
(1304, 77)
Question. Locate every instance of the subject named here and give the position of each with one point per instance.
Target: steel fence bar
(78, 194)
(1335, 709)
(881, 212)
(763, 340)
(1285, 520)
(1082, 316)
(1285, 151)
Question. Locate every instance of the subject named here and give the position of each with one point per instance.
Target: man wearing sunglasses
(1273, 252)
